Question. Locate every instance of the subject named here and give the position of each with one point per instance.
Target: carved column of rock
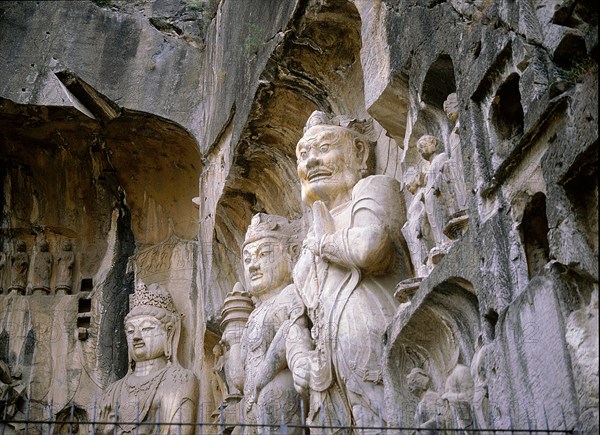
(236, 310)
(64, 266)
(42, 269)
(19, 266)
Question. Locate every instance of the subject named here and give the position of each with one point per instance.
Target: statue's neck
(144, 368)
(262, 298)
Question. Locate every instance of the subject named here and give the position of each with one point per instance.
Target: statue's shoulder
(180, 375)
(376, 185)
(379, 193)
(288, 300)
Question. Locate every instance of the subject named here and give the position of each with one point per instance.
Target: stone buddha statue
(156, 388)
(352, 258)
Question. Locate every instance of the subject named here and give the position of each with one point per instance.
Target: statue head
(269, 252)
(332, 157)
(418, 381)
(21, 246)
(67, 245)
(451, 107)
(43, 245)
(427, 146)
(152, 324)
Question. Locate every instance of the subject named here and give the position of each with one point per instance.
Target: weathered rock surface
(115, 115)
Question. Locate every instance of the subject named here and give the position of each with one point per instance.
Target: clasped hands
(323, 225)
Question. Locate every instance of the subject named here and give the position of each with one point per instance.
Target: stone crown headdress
(153, 295)
(269, 225)
(363, 127)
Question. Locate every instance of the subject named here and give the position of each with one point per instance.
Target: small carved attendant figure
(480, 385)
(64, 263)
(459, 395)
(416, 229)
(454, 146)
(443, 198)
(2, 269)
(352, 258)
(156, 388)
(42, 269)
(429, 412)
(19, 265)
(219, 386)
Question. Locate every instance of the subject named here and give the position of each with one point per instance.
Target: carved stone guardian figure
(352, 257)
(19, 265)
(64, 266)
(156, 387)
(42, 269)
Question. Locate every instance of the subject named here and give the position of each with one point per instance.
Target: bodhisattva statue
(42, 269)
(64, 266)
(351, 260)
(156, 388)
(19, 265)
(443, 197)
(269, 253)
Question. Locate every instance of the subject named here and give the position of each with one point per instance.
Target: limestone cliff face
(116, 115)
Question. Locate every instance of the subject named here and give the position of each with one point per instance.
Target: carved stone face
(146, 338)
(328, 164)
(43, 245)
(266, 266)
(427, 146)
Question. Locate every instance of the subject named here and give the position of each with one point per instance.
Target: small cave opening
(507, 111)
(534, 233)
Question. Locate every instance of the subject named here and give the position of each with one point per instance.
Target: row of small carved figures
(18, 264)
